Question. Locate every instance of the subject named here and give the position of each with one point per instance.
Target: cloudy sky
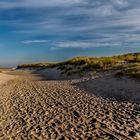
(54, 30)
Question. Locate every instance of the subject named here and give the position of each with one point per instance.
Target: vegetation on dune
(128, 63)
(130, 69)
(134, 71)
(38, 65)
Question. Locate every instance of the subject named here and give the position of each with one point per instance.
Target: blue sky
(55, 30)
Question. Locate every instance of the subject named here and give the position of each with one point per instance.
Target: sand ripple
(58, 110)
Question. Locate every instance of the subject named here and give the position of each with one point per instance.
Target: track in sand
(31, 109)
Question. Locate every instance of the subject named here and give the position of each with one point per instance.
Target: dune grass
(134, 71)
(128, 63)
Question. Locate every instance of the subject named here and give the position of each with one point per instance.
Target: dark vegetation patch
(119, 74)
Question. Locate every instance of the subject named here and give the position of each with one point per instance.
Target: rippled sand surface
(32, 109)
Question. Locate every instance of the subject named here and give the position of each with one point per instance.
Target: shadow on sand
(124, 89)
(53, 74)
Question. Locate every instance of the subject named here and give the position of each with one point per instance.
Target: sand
(108, 86)
(4, 78)
(35, 109)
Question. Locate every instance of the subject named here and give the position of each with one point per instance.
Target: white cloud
(74, 44)
(29, 42)
(83, 44)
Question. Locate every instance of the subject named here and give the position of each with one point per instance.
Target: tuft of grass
(62, 67)
(134, 71)
(81, 74)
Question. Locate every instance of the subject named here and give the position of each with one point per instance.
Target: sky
(55, 30)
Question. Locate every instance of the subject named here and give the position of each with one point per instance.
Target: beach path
(56, 109)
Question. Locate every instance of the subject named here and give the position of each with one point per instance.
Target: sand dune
(34, 109)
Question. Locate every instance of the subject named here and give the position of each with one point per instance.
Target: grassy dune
(129, 64)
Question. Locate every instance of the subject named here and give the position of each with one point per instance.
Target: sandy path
(45, 110)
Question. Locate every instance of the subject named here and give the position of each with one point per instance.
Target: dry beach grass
(36, 109)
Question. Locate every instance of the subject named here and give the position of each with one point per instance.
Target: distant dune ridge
(128, 64)
(85, 98)
(100, 62)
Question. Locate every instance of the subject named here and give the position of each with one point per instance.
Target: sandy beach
(32, 108)
(69, 69)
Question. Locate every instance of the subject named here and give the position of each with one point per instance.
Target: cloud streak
(31, 42)
(83, 45)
